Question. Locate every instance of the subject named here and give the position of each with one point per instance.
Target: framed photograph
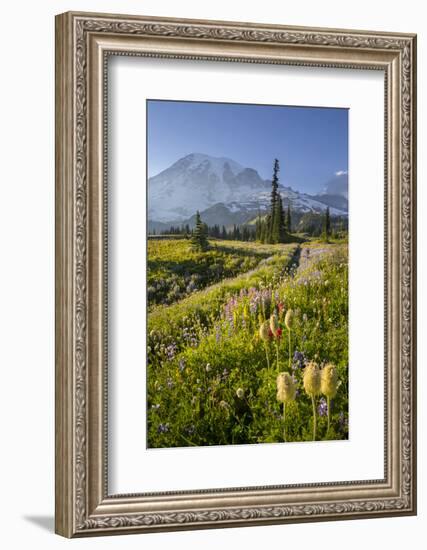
(235, 274)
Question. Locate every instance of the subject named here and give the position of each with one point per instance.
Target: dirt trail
(308, 255)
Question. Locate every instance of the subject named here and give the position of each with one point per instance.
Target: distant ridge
(225, 192)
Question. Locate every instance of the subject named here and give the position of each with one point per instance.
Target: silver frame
(83, 43)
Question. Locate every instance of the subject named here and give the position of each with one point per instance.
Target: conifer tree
(282, 221)
(327, 225)
(199, 239)
(277, 218)
(262, 231)
(258, 227)
(288, 220)
(273, 225)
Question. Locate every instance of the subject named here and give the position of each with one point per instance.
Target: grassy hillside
(211, 376)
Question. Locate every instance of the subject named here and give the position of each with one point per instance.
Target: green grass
(204, 348)
(176, 270)
(196, 313)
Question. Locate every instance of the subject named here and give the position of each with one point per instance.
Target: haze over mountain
(226, 193)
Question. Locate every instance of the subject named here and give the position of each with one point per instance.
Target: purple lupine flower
(170, 383)
(163, 428)
(181, 364)
(217, 333)
(171, 350)
(298, 360)
(322, 409)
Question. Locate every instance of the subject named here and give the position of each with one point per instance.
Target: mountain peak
(216, 164)
(203, 182)
(198, 181)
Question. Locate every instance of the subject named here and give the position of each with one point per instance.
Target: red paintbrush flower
(279, 333)
(280, 307)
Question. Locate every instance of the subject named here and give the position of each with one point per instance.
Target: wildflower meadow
(249, 347)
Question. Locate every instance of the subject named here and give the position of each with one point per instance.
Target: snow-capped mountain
(223, 191)
(197, 182)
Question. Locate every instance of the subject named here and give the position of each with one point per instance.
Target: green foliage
(176, 269)
(199, 239)
(276, 226)
(202, 308)
(205, 348)
(288, 220)
(327, 225)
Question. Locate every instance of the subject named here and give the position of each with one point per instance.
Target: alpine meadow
(247, 274)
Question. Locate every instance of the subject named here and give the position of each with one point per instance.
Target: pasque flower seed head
(312, 379)
(286, 389)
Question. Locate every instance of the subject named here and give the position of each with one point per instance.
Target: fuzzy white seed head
(264, 331)
(329, 380)
(286, 389)
(274, 324)
(289, 319)
(240, 393)
(311, 378)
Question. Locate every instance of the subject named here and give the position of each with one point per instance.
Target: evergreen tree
(262, 231)
(282, 220)
(288, 220)
(224, 233)
(199, 239)
(276, 230)
(258, 227)
(274, 224)
(267, 233)
(327, 225)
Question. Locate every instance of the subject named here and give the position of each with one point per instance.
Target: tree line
(235, 233)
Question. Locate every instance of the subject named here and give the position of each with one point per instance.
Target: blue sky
(310, 143)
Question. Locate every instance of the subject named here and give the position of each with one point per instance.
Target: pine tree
(273, 225)
(276, 224)
(327, 225)
(282, 220)
(199, 239)
(288, 220)
(262, 231)
(267, 234)
(258, 227)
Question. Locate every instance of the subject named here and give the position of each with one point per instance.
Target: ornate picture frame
(84, 42)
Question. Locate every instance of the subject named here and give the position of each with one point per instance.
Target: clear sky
(310, 143)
